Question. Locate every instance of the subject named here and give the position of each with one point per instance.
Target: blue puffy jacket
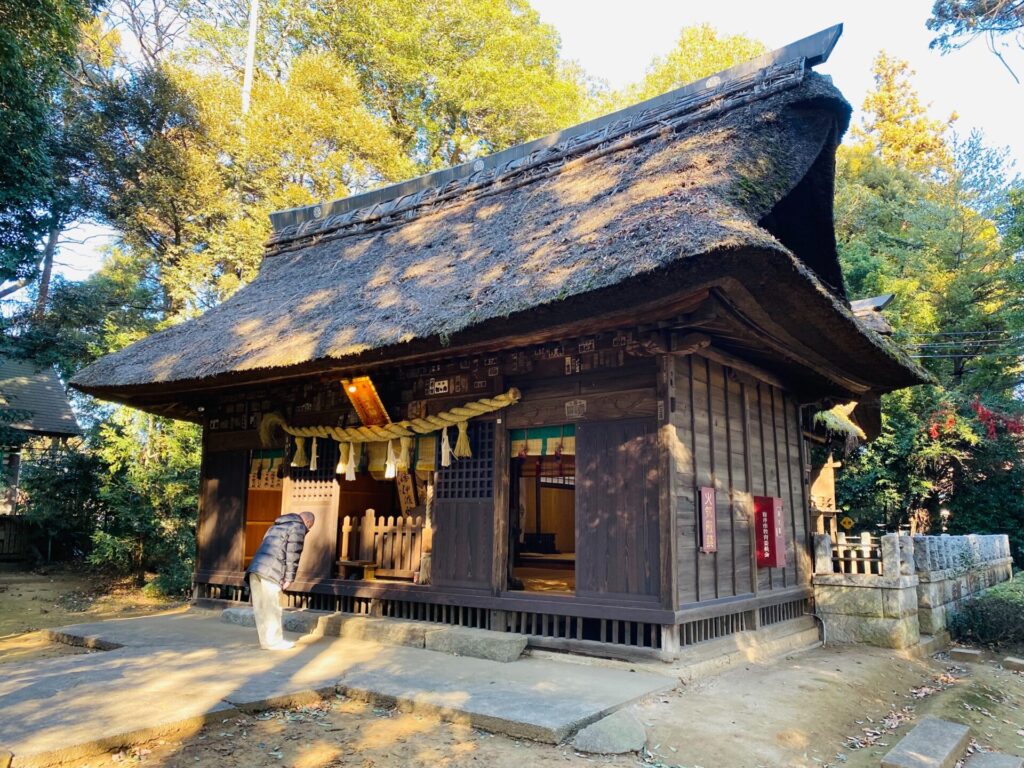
(277, 559)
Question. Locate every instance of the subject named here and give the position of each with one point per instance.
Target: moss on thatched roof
(685, 195)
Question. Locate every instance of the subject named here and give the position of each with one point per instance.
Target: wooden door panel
(221, 534)
(463, 515)
(617, 509)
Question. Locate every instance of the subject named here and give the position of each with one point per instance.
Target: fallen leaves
(871, 736)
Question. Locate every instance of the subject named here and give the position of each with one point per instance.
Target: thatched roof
(36, 391)
(730, 187)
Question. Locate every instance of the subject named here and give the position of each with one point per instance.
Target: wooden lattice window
(472, 478)
(311, 485)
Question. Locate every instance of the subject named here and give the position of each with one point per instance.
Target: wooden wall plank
(221, 530)
(684, 483)
(668, 450)
(740, 498)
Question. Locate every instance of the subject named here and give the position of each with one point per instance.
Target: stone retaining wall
(921, 579)
(952, 568)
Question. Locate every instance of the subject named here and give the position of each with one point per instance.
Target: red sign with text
(770, 531)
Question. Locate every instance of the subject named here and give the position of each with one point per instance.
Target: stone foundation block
(1013, 664)
(849, 601)
(883, 632)
(478, 643)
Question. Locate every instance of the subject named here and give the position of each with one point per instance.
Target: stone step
(993, 760)
(458, 641)
(932, 743)
(967, 655)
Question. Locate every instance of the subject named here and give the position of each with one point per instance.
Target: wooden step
(933, 743)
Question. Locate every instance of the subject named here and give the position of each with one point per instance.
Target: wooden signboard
(708, 521)
(771, 532)
(363, 395)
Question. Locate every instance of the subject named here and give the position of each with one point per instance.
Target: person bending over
(272, 570)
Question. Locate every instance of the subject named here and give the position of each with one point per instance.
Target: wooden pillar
(499, 568)
(667, 512)
(367, 529)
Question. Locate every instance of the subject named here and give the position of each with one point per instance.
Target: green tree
(150, 493)
(61, 486)
(958, 22)
(698, 52)
(37, 44)
(451, 80)
(929, 217)
(897, 126)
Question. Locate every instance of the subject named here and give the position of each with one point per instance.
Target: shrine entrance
(542, 497)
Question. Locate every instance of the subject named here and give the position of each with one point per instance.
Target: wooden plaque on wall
(708, 521)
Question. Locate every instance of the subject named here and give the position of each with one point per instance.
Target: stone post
(890, 554)
(822, 553)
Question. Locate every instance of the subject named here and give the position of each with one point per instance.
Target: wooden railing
(395, 544)
(857, 554)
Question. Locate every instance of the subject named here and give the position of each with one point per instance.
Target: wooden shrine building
(561, 390)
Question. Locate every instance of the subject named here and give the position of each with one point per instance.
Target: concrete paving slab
(532, 698)
(172, 673)
(932, 743)
(993, 760)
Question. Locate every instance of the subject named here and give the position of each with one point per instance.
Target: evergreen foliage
(934, 219)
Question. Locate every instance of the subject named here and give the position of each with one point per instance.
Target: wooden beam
(380, 358)
(688, 343)
(742, 366)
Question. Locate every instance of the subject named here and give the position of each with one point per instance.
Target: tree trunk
(47, 273)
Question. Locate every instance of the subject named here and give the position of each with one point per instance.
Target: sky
(616, 40)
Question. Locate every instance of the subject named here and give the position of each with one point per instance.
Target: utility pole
(250, 55)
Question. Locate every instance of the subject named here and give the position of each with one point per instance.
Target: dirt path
(31, 601)
(829, 707)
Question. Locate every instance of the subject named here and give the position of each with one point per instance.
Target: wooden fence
(857, 554)
(13, 537)
(395, 544)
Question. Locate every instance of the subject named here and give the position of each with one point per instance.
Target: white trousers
(266, 607)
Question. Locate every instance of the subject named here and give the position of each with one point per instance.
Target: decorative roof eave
(667, 296)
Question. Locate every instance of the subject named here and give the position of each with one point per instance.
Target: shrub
(995, 617)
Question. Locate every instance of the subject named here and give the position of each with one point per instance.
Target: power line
(967, 342)
(969, 355)
(960, 333)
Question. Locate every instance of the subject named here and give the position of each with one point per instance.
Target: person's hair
(308, 518)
